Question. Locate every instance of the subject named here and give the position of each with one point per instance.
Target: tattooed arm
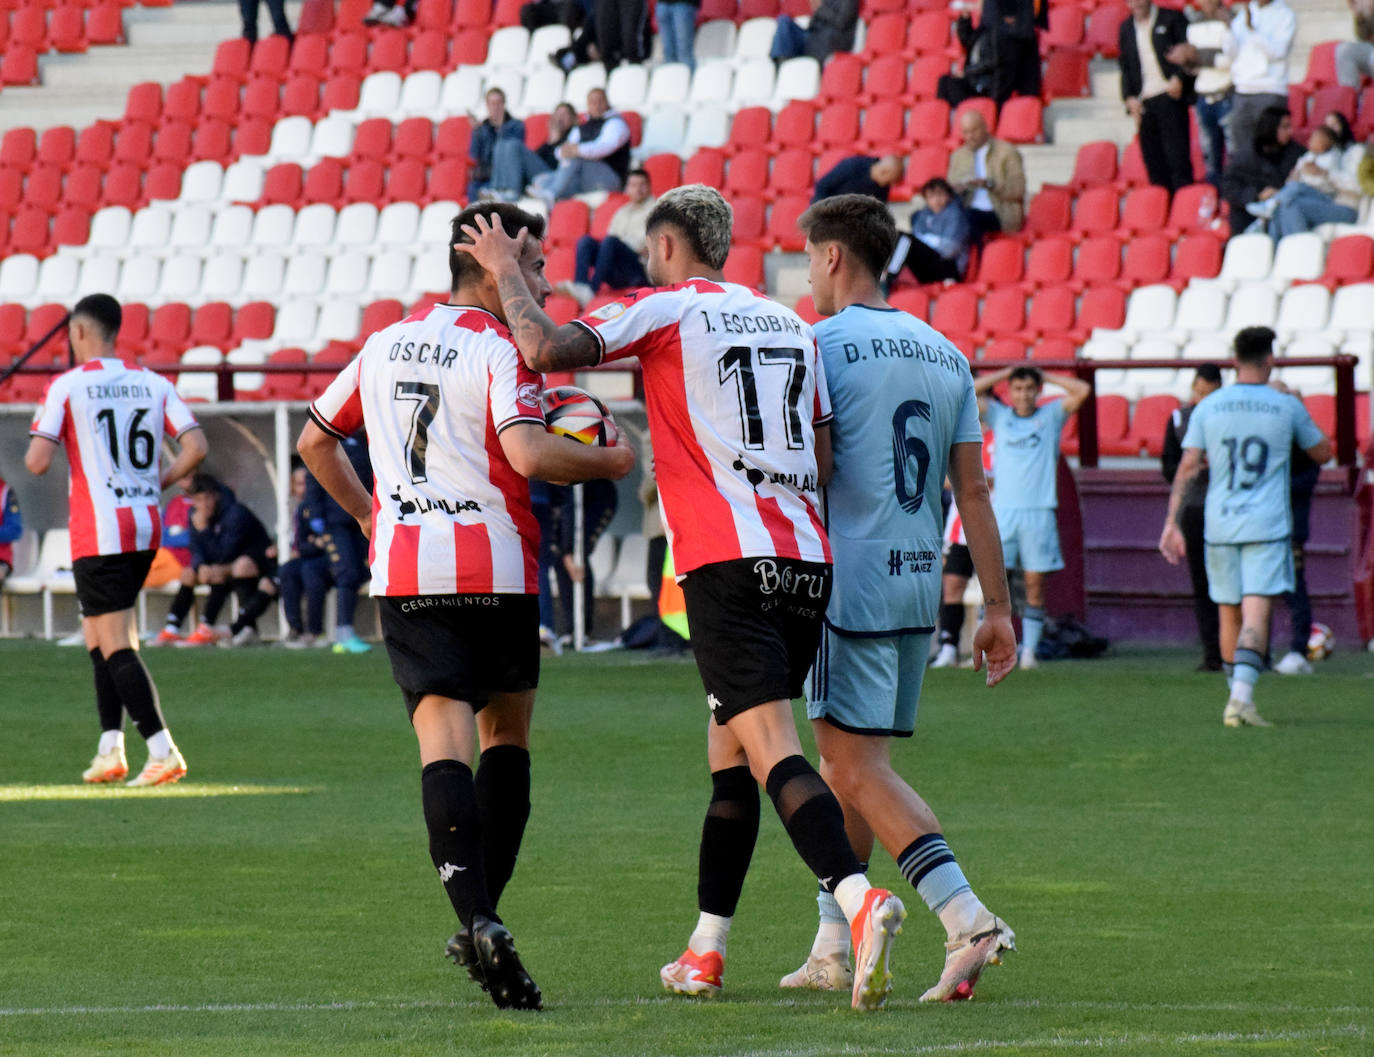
(544, 345)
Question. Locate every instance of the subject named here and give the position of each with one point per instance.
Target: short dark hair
(1266, 139)
(1033, 373)
(202, 483)
(102, 310)
(461, 266)
(1253, 345)
(640, 172)
(859, 223)
(937, 183)
(1209, 373)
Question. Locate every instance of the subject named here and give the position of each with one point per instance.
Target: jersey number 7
(738, 363)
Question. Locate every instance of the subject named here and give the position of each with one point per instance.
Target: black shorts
(464, 647)
(958, 561)
(109, 583)
(756, 623)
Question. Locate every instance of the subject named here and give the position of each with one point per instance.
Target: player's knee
(244, 568)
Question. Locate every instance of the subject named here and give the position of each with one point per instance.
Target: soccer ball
(573, 412)
(1320, 642)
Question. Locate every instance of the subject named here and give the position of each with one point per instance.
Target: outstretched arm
(544, 345)
(994, 637)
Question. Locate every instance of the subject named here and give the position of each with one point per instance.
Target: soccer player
(1026, 467)
(1247, 431)
(455, 427)
(735, 393)
(904, 415)
(109, 418)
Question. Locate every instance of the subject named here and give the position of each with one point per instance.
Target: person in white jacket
(1264, 32)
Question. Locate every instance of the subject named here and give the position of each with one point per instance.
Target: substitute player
(455, 428)
(1026, 466)
(735, 394)
(905, 415)
(109, 418)
(1247, 431)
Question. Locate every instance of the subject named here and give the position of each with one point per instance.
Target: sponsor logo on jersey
(608, 312)
(422, 505)
(914, 561)
(528, 394)
(789, 580)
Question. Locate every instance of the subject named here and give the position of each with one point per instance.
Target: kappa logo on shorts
(448, 870)
(712, 702)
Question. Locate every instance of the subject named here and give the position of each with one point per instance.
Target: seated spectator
(498, 127)
(248, 9)
(1207, 55)
(860, 175)
(305, 575)
(230, 551)
(1001, 55)
(514, 165)
(677, 28)
(539, 13)
(989, 178)
(937, 248)
(622, 31)
(1355, 58)
(831, 29)
(1319, 190)
(595, 156)
(617, 260)
(176, 540)
(11, 528)
(344, 544)
(395, 13)
(1255, 173)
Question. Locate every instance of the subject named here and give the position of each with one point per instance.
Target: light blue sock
(1032, 627)
(1249, 664)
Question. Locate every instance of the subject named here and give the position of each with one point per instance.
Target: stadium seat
(1049, 263)
(1050, 212)
(1021, 120)
(756, 82)
(1002, 261)
(1349, 259)
(1248, 258)
(1145, 210)
(1194, 207)
(212, 324)
(1051, 313)
(57, 281)
(798, 78)
(1097, 262)
(1201, 310)
(792, 173)
(1146, 261)
(1297, 257)
(1003, 314)
(782, 223)
(665, 129)
(711, 83)
(1095, 211)
(1094, 164)
(708, 126)
(665, 171)
(1150, 308)
(1321, 66)
(1303, 310)
(1101, 307)
(955, 315)
(1251, 305)
(1113, 425)
(1196, 256)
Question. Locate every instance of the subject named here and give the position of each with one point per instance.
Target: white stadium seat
(180, 279)
(233, 228)
(754, 83)
(305, 275)
(1103, 348)
(1352, 314)
(1201, 310)
(263, 276)
(339, 320)
(248, 353)
(1150, 308)
(670, 85)
(333, 138)
(665, 131)
(1301, 256)
(715, 39)
(508, 48)
(712, 82)
(314, 228)
(296, 322)
(420, 94)
(138, 278)
(755, 38)
(543, 90)
(1209, 347)
(462, 91)
(347, 275)
(1248, 258)
(52, 574)
(109, 230)
(709, 126)
(391, 271)
(201, 182)
(379, 97)
(544, 41)
(398, 223)
(191, 229)
(57, 277)
(357, 225)
(431, 272)
(242, 181)
(1154, 347)
(199, 385)
(435, 225)
(627, 86)
(1252, 305)
(581, 81)
(1303, 310)
(222, 277)
(798, 78)
(272, 226)
(151, 229)
(290, 138)
(97, 273)
(1148, 380)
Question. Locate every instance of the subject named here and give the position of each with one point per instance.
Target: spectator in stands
(831, 29)
(599, 502)
(306, 574)
(344, 544)
(1157, 91)
(539, 13)
(395, 13)
(677, 28)
(617, 260)
(1016, 43)
(1190, 515)
(937, 248)
(276, 9)
(1256, 174)
(1355, 58)
(860, 175)
(1319, 190)
(980, 75)
(1207, 55)
(230, 551)
(1365, 171)
(989, 178)
(498, 127)
(514, 165)
(594, 157)
(176, 539)
(11, 528)
(622, 31)
(1264, 32)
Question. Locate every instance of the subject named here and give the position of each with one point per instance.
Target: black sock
(727, 840)
(136, 691)
(219, 594)
(455, 836)
(251, 607)
(951, 622)
(107, 703)
(813, 819)
(181, 605)
(503, 802)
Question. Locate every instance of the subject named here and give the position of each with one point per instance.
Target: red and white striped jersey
(110, 417)
(734, 388)
(449, 513)
(954, 524)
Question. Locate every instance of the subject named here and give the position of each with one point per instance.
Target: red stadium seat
(173, 143)
(1001, 263)
(806, 308)
(144, 103)
(930, 33)
(560, 264)
(212, 140)
(1104, 26)
(1004, 314)
(83, 186)
(955, 315)
(429, 51)
(568, 222)
(448, 179)
(182, 100)
(1051, 312)
(300, 97)
(269, 59)
(18, 148)
(782, 223)
(795, 127)
(348, 55)
(282, 184)
(748, 172)
(600, 223)
(366, 182)
(1113, 425)
(749, 220)
(842, 78)
(1333, 97)
(886, 35)
(123, 186)
(1321, 66)
(1095, 212)
(163, 181)
(372, 140)
(886, 79)
(745, 266)
(380, 315)
(105, 24)
(924, 76)
(928, 122)
(706, 166)
(28, 28)
(1022, 120)
(71, 226)
(433, 15)
(472, 14)
(170, 325)
(665, 171)
(912, 300)
(287, 385)
(57, 146)
(1098, 261)
(1146, 209)
(253, 135)
(1003, 350)
(792, 173)
(1193, 207)
(134, 143)
(1094, 164)
(838, 125)
(469, 48)
(1349, 259)
(407, 181)
(1147, 261)
(254, 320)
(414, 138)
(309, 54)
(883, 127)
(1102, 307)
(1066, 75)
(752, 127)
(1132, 172)
(31, 231)
(452, 136)
(924, 163)
(1149, 421)
(1050, 212)
(19, 65)
(1066, 29)
(341, 92)
(43, 187)
(390, 51)
(986, 107)
(231, 59)
(1197, 256)
(11, 194)
(1322, 408)
(1050, 262)
(67, 30)
(212, 324)
(758, 9)
(133, 329)
(95, 144)
(262, 99)
(322, 183)
(221, 100)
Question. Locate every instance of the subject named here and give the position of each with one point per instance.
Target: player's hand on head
(491, 247)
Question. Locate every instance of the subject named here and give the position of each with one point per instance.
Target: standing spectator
(1355, 58)
(230, 551)
(831, 29)
(514, 165)
(1208, 54)
(1256, 173)
(343, 543)
(989, 178)
(938, 246)
(539, 13)
(248, 9)
(1264, 32)
(498, 127)
(860, 175)
(595, 156)
(11, 528)
(617, 260)
(1157, 91)
(1016, 26)
(394, 13)
(305, 575)
(622, 31)
(1206, 382)
(108, 417)
(677, 28)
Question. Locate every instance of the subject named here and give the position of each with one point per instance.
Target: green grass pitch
(1176, 887)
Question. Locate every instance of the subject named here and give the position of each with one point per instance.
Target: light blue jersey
(1248, 431)
(901, 395)
(1025, 456)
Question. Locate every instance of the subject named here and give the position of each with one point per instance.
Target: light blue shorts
(1030, 539)
(1235, 570)
(868, 685)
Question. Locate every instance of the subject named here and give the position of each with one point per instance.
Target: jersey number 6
(910, 456)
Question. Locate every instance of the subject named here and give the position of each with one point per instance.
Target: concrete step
(1048, 164)
(1085, 120)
